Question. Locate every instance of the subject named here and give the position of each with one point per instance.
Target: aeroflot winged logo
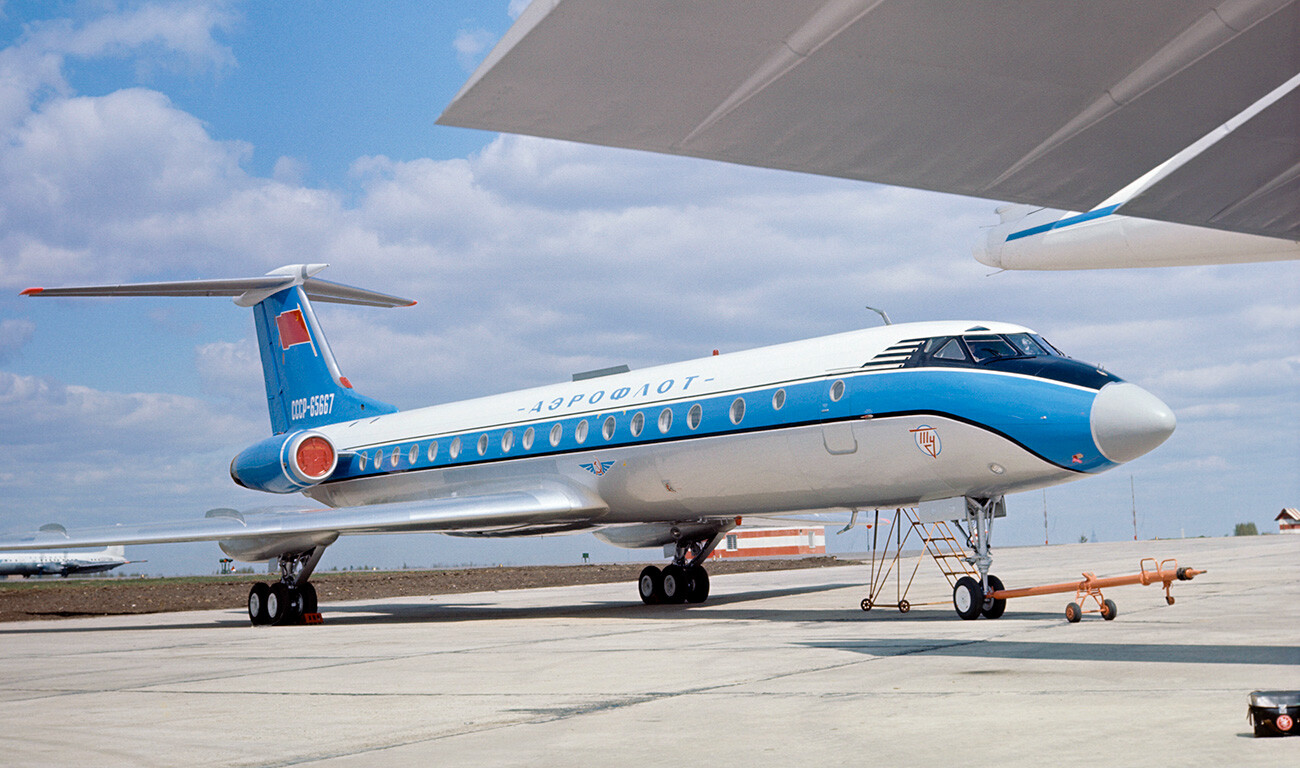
(293, 329)
(927, 439)
(597, 467)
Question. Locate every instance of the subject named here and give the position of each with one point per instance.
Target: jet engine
(285, 463)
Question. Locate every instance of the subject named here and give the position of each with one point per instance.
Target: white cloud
(470, 45)
(14, 334)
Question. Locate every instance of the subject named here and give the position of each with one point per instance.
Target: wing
(264, 535)
(1041, 102)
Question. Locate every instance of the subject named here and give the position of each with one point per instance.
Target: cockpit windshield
(1023, 353)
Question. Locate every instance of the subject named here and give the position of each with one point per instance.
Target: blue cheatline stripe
(1089, 216)
(1044, 417)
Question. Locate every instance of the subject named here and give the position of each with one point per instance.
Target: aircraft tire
(279, 603)
(697, 584)
(968, 598)
(675, 585)
(308, 592)
(1111, 611)
(993, 609)
(650, 585)
(257, 595)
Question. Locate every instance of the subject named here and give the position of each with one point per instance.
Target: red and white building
(1288, 520)
(773, 542)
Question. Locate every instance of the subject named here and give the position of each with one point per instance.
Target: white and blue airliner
(672, 456)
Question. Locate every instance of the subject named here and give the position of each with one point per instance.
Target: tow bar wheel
(967, 597)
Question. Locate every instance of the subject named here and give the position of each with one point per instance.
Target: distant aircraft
(952, 415)
(1123, 129)
(64, 564)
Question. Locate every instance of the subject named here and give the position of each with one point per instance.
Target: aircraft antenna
(883, 315)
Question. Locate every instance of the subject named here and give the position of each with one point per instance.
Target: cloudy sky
(148, 141)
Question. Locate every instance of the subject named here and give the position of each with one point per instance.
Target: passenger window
(454, 450)
(580, 432)
(396, 457)
(737, 410)
(414, 454)
(482, 444)
(950, 351)
(557, 432)
(507, 441)
(694, 416)
(665, 420)
(837, 391)
(778, 400)
(433, 450)
(607, 431)
(379, 458)
(528, 439)
(638, 423)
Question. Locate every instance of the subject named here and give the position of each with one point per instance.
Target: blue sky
(179, 140)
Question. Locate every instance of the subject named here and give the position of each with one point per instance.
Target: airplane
(63, 564)
(1159, 133)
(948, 415)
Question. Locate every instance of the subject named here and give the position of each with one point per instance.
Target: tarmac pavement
(776, 668)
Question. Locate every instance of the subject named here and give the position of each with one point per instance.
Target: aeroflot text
(596, 397)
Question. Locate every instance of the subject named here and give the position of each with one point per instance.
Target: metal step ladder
(939, 543)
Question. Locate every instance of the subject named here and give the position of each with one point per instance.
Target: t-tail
(304, 388)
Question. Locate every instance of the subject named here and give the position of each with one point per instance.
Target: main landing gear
(685, 580)
(970, 595)
(292, 599)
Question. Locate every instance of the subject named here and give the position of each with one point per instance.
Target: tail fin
(117, 551)
(303, 385)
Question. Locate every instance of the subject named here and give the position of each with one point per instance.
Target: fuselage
(881, 417)
(58, 563)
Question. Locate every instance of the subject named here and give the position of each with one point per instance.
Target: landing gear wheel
(278, 603)
(967, 598)
(993, 609)
(1073, 613)
(675, 584)
(866, 603)
(257, 595)
(904, 606)
(308, 593)
(1108, 609)
(697, 584)
(650, 584)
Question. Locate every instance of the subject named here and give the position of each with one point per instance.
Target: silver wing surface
(1042, 102)
(258, 536)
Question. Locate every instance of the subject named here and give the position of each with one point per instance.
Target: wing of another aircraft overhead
(1041, 102)
(258, 536)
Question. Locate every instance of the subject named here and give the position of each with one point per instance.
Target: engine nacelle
(285, 463)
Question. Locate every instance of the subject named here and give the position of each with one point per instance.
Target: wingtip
(31, 291)
(413, 303)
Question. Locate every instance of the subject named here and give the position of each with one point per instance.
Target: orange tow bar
(1165, 572)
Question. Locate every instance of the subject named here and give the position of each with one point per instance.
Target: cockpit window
(951, 351)
(1026, 344)
(1051, 350)
(986, 348)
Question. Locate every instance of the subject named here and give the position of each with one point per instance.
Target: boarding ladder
(947, 551)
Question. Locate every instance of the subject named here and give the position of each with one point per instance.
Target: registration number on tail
(316, 405)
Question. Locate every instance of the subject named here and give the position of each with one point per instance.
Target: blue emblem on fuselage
(597, 467)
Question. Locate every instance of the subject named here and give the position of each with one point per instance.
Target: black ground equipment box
(1274, 713)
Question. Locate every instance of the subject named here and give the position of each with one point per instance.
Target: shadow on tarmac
(1053, 651)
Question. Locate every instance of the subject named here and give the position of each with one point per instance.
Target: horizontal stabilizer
(246, 290)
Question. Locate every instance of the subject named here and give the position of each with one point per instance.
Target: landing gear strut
(292, 599)
(969, 595)
(685, 580)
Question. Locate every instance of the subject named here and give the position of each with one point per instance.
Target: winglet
(31, 291)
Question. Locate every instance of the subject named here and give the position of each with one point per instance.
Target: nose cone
(1128, 421)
